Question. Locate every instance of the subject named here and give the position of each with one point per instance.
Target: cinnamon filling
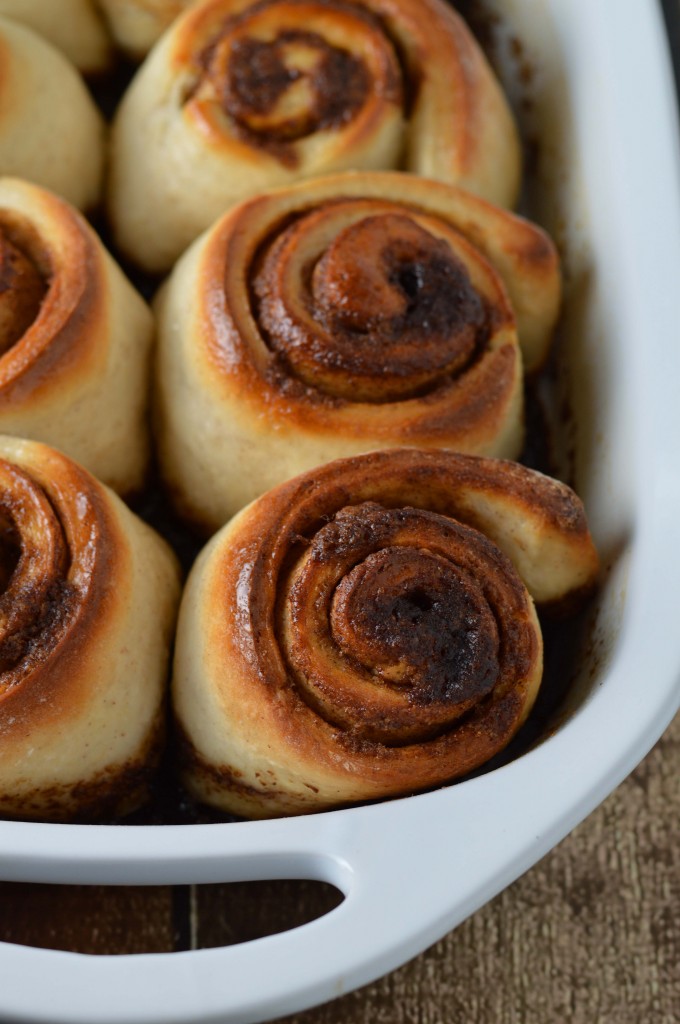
(35, 595)
(422, 622)
(399, 624)
(281, 71)
(22, 290)
(10, 549)
(391, 311)
(293, 85)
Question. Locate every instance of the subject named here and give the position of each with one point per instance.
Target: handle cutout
(102, 920)
(223, 915)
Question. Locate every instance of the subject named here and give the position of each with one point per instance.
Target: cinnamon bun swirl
(353, 312)
(87, 604)
(241, 97)
(369, 630)
(75, 339)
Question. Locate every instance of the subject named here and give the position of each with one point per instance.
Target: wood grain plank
(226, 914)
(90, 919)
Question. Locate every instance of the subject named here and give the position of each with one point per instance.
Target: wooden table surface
(590, 935)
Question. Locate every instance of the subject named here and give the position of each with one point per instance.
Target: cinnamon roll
(241, 97)
(359, 311)
(75, 339)
(369, 630)
(73, 26)
(137, 24)
(87, 604)
(50, 130)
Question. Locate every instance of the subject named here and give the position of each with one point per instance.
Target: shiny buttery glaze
(414, 602)
(275, 84)
(368, 629)
(388, 309)
(45, 579)
(349, 313)
(47, 299)
(298, 66)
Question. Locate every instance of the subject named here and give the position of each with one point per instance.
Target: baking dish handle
(399, 897)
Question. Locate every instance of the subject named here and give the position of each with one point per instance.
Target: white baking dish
(413, 869)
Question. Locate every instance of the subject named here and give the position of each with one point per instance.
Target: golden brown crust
(241, 97)
(22, 289)
(57, 334)
(76, 340)
(366, 630)
(384, 353)
(349, 313)
(86, 611)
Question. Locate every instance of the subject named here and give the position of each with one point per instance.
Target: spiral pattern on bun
(369, 630)
(241, 97)
(51, 133)
(87, 601)
(75, 339)
(353, 312)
